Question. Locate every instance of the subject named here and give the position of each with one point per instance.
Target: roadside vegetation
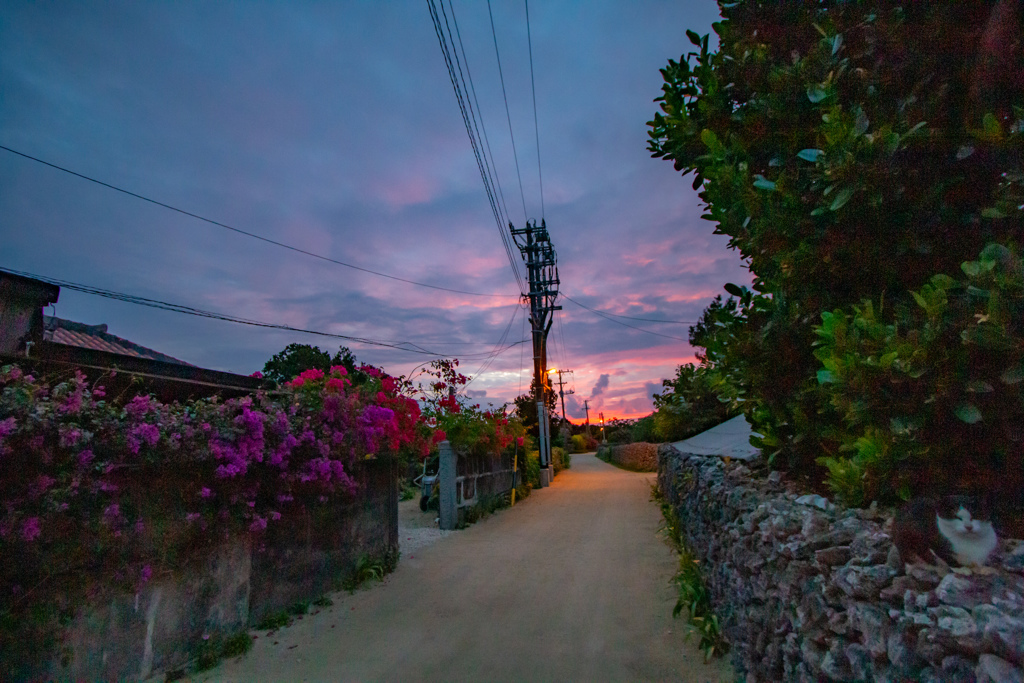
(866, 163)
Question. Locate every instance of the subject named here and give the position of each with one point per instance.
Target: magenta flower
(30, 529)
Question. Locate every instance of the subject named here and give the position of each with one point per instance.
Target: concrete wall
(479, 476)
(808, 591)
(641, 457)
(232, 586)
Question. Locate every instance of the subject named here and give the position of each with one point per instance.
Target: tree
(295, 358)
(850, 151)
(526, 410)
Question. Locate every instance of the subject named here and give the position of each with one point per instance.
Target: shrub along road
(570, 584)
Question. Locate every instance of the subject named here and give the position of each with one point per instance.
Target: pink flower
(205, 492)
(7, 427)
(257, 375)
(520, 441)
(145, 574)
(340, 369)
(30, 529)
(192, 516)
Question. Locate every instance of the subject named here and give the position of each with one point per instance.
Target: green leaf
(837, 42)
(991, 125)
(943, 281)
(921, 301)
(733, 289)
(888, 359)
(994, 252)
(762, 183)
(694, 37)
(816, 93)
(971, 268)
(1013, 375)
(992, 212)
(811, 155)
(825, 377)
(861, 125)
(708, 137)
(969, 413)
(842, 197)
(916, 128)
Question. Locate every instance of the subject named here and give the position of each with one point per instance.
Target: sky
(333, 127)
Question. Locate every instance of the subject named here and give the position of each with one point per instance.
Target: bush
(97, 493)
(849, 157)
(560, 459)
(930, 394)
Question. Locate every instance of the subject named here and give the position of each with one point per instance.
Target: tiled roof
(97, 338)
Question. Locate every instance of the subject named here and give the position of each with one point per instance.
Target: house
(51, 345)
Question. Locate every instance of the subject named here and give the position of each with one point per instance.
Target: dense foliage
(114, 491)
(469, 428)
(295, 358)
(851, 152)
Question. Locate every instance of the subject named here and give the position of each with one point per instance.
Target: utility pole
(604, 434)
(586, 407)
(542, 274)
(561, 383)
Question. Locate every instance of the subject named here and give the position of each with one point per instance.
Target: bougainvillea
(117, 489)
(468, 427)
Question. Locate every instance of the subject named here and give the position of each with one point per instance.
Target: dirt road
(572, 584)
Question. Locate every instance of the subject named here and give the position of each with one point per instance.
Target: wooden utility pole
(561, 383)
(542, 275)
(586, 407)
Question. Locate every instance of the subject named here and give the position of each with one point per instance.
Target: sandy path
(570, 585)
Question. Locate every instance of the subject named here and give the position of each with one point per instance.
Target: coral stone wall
(641, 457)
(808, 591)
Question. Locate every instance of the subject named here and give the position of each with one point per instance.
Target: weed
(408, 492)
(693, 591)
(217, 647)
(323, 601)
(365, 570)
(299, 608)
(274, 620)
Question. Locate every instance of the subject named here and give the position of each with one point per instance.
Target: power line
(469, 119)
(608, 317)
(249, 234)
(507, 113)
(497, 349)
(629, 317)
(533, 88)
(188, 310)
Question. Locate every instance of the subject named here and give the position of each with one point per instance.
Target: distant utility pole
(542, 275)
(561, 383)
(604, 434)
(586, 407)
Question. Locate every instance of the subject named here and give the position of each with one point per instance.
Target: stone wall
(232, 587)
(640, 457)
(808, 591)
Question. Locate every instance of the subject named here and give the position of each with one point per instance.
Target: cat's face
(964, 514)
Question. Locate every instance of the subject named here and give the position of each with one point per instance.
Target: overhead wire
(268, 240)
(497, 349)
(469, 118)
(189, 310)
(634, 327)
(489, 155)
(533, 88)
(630, 317)
(512, 137)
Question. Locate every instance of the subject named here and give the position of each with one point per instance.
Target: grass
(217, 647)
(275, 620)
(369, 569)
(693, 594)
